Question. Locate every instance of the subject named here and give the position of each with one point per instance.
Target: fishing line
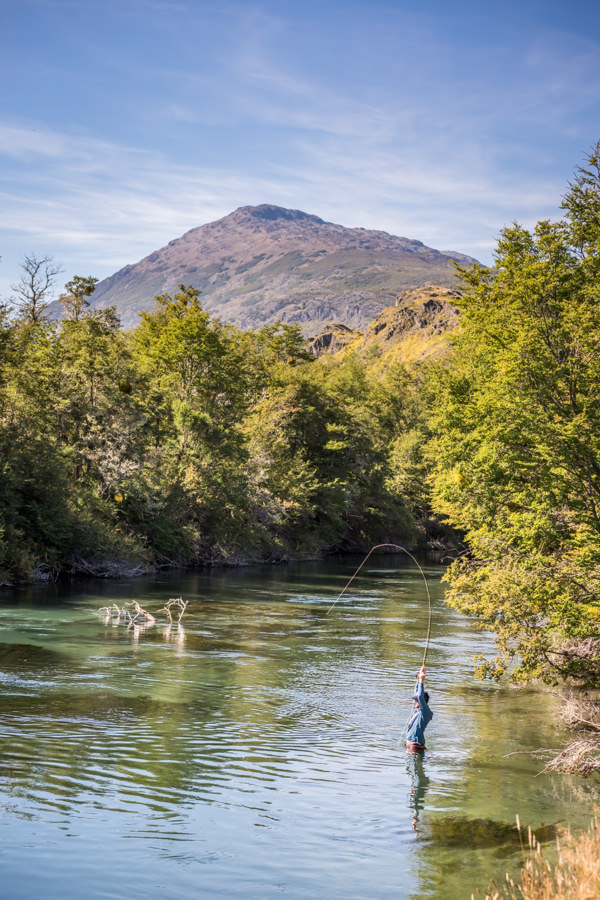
(404, 550)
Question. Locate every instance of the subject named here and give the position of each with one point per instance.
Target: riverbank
(112, 568)
(432, 544)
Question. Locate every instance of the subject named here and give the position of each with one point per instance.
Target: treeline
(186, 441)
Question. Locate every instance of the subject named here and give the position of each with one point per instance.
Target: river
(256, 750)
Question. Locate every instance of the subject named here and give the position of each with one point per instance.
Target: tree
(75, 301)
(198, 375)
(516, 449)
(34, 290)
(318, 439)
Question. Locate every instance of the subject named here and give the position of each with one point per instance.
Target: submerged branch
(175, 603)
(131, 613)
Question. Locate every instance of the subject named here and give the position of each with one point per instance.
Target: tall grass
(576, 875)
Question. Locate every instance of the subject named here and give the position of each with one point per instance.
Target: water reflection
(175, 634)
(419, 782)
(476, 833)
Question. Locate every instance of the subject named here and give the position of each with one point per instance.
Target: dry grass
(581, 757)
(576, 876)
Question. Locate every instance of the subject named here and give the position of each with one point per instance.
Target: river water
(256, 750)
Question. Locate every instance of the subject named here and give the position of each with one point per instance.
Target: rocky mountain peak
(266, 212)
(263, 264)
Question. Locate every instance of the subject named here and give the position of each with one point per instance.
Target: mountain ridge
(262, 264)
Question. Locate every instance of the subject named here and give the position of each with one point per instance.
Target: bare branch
(132, 614)
(175, 602)
(34, 289)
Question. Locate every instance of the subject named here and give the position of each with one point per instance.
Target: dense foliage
(516, 448)
(186, 440)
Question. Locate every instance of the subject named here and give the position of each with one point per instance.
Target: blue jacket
(415, 730)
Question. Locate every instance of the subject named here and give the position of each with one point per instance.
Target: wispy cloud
(23, 143)
(101, 205)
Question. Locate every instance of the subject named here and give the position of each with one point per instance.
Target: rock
(332, 339)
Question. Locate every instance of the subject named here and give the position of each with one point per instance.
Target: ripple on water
(261, 744)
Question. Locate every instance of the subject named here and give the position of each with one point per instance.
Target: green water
(256, 751)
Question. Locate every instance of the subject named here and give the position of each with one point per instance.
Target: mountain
(261, 264)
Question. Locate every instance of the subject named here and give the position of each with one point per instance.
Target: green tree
(318, 457)
(36, 522)
(197, 376)
(76, 299)
(516, 449)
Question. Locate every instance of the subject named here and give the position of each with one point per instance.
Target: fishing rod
(404, 550)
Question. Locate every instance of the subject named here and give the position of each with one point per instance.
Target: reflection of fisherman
(415, 730)
(420, 783)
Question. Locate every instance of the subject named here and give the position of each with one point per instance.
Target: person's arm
(419, 688)
(424, 706)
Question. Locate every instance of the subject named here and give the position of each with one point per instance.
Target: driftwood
(132, 614)
(174, 604)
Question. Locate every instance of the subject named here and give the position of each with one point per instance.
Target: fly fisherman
(422, 715)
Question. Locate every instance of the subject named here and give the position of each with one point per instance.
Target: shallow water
(256, 750)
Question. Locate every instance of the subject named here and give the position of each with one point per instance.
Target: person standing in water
(421, 717)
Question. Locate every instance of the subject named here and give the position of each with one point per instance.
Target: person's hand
(421, 675)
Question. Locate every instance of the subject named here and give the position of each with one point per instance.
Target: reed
(576, 875)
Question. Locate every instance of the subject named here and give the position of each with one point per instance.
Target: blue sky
(124, 123)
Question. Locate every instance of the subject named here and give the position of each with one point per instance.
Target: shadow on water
(18, 656)
(473, 833)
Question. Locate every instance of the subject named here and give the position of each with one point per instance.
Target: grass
(576, 875)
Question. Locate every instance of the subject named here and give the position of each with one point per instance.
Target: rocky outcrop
(415, 329)
(334, 338)
(431, 309)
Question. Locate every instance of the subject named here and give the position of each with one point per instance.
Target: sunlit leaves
(516, 454)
